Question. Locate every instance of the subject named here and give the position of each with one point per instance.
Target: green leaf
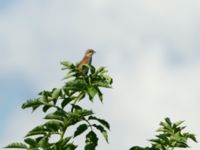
(32, 103)
(181, 145)
(191, 136)
(105, 135)
(102, 130)
(91, 141)
(92, 69)
(70, 147)
(101, 83)
(76, 85)
(76, 116)
(103, 122)
(65, 102)
(91, 92)
(99, 94)
(39, 130)
(17, 145)
(76, 107)
(53, 125)
(44, 142)
(56, 93)
(79, 97)
(65, 141)
(66, 63)
(44, 98)
(36, 133)
(90, 146)
(101, 70)
(46, 107)
(138, 148)
(69, 76)
(54, 116)
(80, 129)
(178, 123)
(168, 121)
(31, 142)
(45, 92)
(38, 139)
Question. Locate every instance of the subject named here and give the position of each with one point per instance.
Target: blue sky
(151, 48)
(5, 4)
(13, 90)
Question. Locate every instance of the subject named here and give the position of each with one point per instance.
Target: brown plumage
(87, 60)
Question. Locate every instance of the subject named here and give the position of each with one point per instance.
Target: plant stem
(89, 124)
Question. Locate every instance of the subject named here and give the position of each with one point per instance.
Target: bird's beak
(94, 52)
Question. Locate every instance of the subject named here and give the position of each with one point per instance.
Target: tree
(63, 111)
(170, 136)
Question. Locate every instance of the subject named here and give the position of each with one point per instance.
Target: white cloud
(137, 40)
(18, 125)
(152, 92)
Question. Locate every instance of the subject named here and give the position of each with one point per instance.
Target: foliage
(63, 112)
(62, 109)
(170, 136)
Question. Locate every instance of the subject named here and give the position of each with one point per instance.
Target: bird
(86, 60)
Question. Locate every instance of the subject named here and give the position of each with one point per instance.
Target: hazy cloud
(151, 49)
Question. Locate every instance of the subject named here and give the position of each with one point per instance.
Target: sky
(151, 49)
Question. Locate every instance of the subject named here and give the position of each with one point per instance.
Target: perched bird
(86, 60)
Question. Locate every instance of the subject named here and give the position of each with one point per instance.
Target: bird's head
(89, 52)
